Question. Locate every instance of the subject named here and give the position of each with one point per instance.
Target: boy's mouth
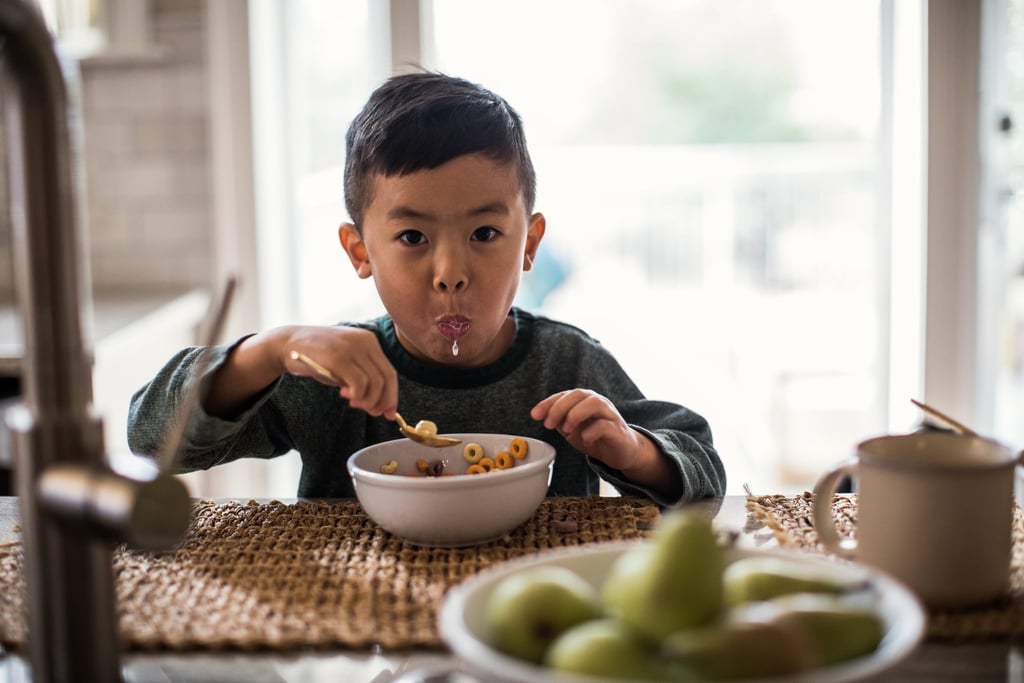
(453, 326)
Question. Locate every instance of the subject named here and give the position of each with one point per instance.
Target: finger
(387, 376)
(584, 407)
(377, 401)
(380, 395)
(540, 411)
(304, 366)
(559, 409)
(389, 403)
(356, 381)
(373, 391)
(367, 400)
(598, 425)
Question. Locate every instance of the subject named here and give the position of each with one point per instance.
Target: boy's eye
(412, 237)
(485, 234)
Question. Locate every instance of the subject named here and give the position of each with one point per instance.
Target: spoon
(966, 431)
(427, 437)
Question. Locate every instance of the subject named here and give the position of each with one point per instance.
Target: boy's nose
(450, 272)
(449, 283)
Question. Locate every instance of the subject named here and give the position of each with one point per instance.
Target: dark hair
(420, 121)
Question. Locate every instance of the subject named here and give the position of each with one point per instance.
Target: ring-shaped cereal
(475, 469)
(503, 460)
(518, 448)
(487, 463)
(473, 452)
(389, 467)
(426, 427)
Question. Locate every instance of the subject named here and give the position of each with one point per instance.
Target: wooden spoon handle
(315, 367)
(966, 431)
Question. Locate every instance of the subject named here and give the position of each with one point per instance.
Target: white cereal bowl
(450, 511)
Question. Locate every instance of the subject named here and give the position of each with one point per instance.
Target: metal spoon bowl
(419, 436)
(432, 440)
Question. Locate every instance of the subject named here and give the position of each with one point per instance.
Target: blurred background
(791, 216)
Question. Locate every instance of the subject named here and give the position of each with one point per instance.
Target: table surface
(931, 662)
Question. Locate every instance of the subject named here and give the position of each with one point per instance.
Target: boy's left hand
(592, 424)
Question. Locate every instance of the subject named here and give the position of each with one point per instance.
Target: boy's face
(446, 248)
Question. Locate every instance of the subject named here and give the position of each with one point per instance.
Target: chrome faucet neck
(73, 508)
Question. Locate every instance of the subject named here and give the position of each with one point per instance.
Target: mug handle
(824, 520)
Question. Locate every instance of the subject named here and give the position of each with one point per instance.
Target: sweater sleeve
(681, 435)
(209, 440)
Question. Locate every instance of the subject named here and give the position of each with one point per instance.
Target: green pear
(529, 609)
(730, 650)
(836, 629)
(764, 578)
(670, 581)
(607, 648)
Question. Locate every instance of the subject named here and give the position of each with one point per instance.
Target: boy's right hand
(354, 356)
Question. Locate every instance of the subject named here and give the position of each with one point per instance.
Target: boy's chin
(437, 354)
(451, 360)
(448, 357)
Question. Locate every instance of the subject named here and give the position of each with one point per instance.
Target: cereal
(426, 427)
(518, 448)
(565, 526)
(473, 452)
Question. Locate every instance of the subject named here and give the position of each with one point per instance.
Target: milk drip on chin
(455, 347)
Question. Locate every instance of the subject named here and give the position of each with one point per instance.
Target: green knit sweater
(298, 413)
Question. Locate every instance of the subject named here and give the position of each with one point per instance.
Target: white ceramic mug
(934, 510)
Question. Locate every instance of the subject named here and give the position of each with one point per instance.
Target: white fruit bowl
(462, 627)
(450, 511)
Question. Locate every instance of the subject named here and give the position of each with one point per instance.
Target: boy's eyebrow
(402, 212)
(492, 207)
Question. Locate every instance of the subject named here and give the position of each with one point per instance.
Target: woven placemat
(278, 576)
(791, 520)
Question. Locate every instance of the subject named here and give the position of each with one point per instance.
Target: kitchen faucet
(74, 508)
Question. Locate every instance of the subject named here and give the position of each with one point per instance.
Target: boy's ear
(352, 243)
(534, 234)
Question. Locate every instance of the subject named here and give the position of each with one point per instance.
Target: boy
(440, 188)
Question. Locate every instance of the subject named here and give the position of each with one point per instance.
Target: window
(1006, 249)
(712, 187)
(315, 64)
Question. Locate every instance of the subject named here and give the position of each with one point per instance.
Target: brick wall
(146, 161)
